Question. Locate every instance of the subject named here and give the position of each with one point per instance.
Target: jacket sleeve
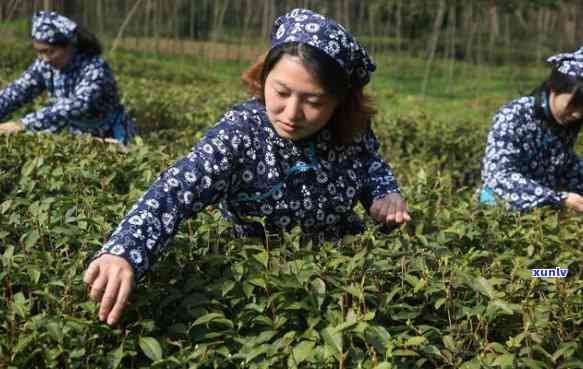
(379, 178)
(574, 174)
(506, 167)
(87, 93)
(201, 178)
(23, 90)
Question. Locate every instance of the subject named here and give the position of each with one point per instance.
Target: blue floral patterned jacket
(245, 166)
(530, 159)
(83, 98)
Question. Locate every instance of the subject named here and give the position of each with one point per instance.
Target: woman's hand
(574, 201)
(107, 140)
(110, 281)
(390, 209)
(11, 127)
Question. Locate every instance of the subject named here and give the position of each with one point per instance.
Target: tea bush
(452, 289)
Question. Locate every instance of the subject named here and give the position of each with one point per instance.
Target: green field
(452, 289)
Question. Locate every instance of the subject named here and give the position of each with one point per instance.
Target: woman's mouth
(287, 127)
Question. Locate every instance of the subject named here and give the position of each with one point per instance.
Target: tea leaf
(151, 348)
(302, 351)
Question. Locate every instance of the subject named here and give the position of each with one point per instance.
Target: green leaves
(205, 319)
(301, 352)
(379, 338)
(333, 340)
(452, 289)
(115, 357)
(20, 305)
(151, 348)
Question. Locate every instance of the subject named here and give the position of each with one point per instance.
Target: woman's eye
(281, 93)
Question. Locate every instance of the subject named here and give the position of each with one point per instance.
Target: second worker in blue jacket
(83, 94)
(530, 158)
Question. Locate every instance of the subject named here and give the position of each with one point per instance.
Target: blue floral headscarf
(569, 63)
(52, 28)
(305, 26)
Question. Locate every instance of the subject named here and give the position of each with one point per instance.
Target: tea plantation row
(452, 289)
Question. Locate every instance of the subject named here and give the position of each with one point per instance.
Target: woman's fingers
(399, 216)
(110, 281)
(403, 212)
(97, 288)
(11, 127)
(579, 203)
(121, 301)
(109, 297)
(390, 209)
(398, 210)
(111, 140)
(574, 201)
(91, 274)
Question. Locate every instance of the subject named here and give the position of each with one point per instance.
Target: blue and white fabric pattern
(308, 27)
(83, 98)
(252, 173)
(52, 28)
(530, 160)
(569, 63)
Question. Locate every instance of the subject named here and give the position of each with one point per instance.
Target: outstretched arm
(381, 195)
(506, 162)
(96, 77)
(23, 90)
(574, 183)
(201, 178)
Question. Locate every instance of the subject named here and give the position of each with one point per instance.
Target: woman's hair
(563, 83)
(85, 41)
(354, 110)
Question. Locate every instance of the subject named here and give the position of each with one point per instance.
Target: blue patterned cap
(305, 26)
(569, 63)
(51, 27)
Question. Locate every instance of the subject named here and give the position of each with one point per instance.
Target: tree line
(481, 31)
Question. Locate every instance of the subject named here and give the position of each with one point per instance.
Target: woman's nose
(294, 109)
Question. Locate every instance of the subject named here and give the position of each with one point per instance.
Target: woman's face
(559, 104)
(56, 56)
(296, 103)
